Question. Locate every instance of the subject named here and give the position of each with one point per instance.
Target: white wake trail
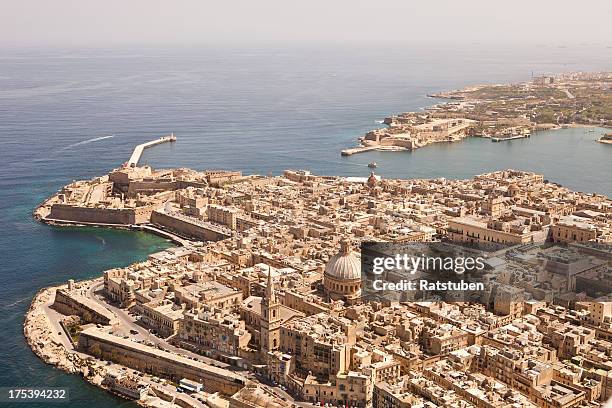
(84, 142)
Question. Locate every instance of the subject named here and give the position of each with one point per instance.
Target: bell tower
(270, 319)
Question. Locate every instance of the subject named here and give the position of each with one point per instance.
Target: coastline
(362, 149)
(50, 336)
(131, 227)
(50, 342)
(46, 342)
(43, 338)
(49, 339)
(499, 112)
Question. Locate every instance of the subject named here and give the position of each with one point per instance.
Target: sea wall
(122, 216)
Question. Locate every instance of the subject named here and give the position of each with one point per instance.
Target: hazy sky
(194, 22)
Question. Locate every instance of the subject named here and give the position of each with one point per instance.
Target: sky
(66, 23)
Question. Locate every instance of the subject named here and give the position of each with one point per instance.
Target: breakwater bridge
(137, 153)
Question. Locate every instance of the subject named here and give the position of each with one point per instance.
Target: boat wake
(84, 142)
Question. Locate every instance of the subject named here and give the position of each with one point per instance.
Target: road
(54, 318)
(128, 323)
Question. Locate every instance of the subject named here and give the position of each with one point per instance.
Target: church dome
(345, 265)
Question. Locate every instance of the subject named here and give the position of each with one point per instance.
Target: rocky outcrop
(46, 343)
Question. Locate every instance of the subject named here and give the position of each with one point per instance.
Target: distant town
(260, 303)
(499, 112)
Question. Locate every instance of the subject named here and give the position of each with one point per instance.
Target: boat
(372, 165)
(513, 136)
(607, 138)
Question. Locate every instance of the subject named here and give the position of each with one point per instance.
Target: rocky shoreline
(40, 337)
(46, 343)
(49, 341)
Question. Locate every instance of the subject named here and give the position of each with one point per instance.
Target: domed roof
(345, 265)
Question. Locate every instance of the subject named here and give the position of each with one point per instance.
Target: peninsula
(263, 301)
(498, 112)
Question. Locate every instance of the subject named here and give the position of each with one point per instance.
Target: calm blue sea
(72, 114)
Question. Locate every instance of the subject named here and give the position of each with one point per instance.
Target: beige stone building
(572, 229)
(164, 318)
(480, 230)
(211, 294)
(320, 343)
(206, 331)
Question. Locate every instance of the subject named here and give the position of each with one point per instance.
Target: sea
(68, 114)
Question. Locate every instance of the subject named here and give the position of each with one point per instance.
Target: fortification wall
(401, 142)
(68, 304)
(185, 228)
(158, 362)
(93, 215)
(142, 215)
(151, 186)
(124, 216)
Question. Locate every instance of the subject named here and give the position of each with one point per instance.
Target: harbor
(139, 330)
(54, 133)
